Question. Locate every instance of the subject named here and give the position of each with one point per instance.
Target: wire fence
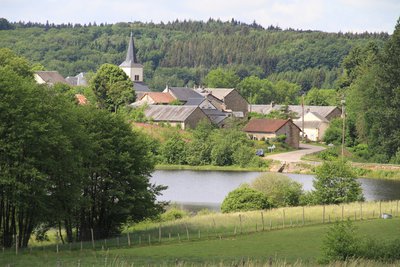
(220, 226)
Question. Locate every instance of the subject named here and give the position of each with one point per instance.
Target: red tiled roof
(160, 97)
(81, 99)
(264, 125)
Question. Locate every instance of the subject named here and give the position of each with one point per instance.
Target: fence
(219, 226)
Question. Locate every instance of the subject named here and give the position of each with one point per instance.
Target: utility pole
(302, 117)
(344, 124)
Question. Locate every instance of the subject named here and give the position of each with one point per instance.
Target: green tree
(321, 97)
(335, 183)
(244, 199)
(341, 242)
(10, 60)
(280, 189)
(118, 168)
(220, 78)
(41, 148)
(173, 150)
(112, 87)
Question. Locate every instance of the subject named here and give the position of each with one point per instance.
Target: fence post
(361, 215)
(323, 214)
(57, 240)
(187, 232)
(270, 224)
(91, 231)
(240, 220)
(149, 240)
(303, 215)
(283, 217)
(129, 239)
(81, 245)
(16, 244)
(199, 234)
(380, 209)
(159, 234)
(342, 212)
(262, 219)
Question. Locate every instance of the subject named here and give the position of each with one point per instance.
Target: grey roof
(194, 101)
(131, 60)
(140, 87)
(323, 111)
(78, 80)
(169, 112)
(51, 77)
(215, 115)
(219, 93)
(183, 93)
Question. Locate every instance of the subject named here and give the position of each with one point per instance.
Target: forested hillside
(182, 53)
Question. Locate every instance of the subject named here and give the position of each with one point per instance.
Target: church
(134, 69)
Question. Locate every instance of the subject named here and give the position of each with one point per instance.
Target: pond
(195, 190)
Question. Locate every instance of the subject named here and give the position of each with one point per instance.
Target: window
(136, 77)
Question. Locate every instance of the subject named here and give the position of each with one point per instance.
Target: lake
(195, 190)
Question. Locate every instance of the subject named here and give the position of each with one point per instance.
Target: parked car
(260, 152)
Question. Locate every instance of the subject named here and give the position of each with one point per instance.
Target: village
(185, 107)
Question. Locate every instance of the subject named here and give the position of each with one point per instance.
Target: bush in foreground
(244, 199)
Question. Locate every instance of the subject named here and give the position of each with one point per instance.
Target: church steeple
(130, 55)
(131, 67)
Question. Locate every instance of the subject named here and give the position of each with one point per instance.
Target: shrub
(340, 242)
(329, 154)
(244, 199)
(173, 214)
(335, 183)
(279, 189)
(243, 156)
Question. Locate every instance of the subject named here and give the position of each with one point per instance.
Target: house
(49, 77)
(226, 99)
(183, 94)
(314, 126)
(182, 116)
(157, 98)
(328, 112)
(78, 80)
(258, 129)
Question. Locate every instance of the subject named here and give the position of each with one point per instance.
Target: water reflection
(195, 190)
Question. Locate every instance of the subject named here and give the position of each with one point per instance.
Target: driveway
(295, 156)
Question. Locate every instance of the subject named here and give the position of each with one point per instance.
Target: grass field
(298, 246)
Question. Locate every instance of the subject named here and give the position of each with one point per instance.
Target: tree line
(309, 58)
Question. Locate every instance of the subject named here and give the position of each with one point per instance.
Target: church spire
(130, 59)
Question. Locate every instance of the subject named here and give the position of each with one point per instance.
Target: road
(295, 156)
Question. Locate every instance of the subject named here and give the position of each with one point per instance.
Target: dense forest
(181, 53)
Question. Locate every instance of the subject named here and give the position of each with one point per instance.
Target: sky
(324, 15)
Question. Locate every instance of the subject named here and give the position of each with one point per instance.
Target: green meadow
(220, 239)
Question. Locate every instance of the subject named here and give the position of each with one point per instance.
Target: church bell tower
(130, 66)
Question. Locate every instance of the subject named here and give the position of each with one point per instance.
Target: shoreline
(372, 171)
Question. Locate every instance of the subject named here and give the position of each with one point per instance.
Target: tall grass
(219, 226)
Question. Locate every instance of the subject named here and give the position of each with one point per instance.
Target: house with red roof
(259, 129)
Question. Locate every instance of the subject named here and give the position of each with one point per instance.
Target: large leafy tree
(118, 168)
(40, 156)
(112, 87)
(335, 183)
(220, 78)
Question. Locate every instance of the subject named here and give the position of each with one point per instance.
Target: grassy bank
(233, 168)
(298, 246)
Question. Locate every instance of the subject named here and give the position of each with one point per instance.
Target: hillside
(182, 53)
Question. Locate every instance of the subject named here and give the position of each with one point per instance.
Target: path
(295, 156)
